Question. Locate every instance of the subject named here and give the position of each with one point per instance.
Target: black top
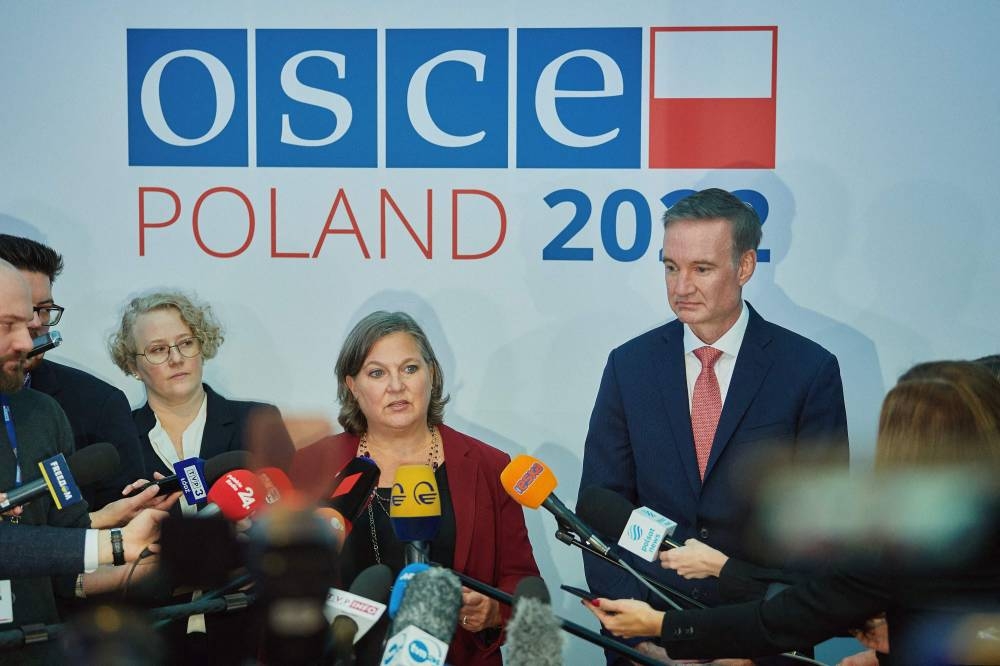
(358, 553)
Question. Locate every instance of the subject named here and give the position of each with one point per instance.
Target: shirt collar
(731, 340)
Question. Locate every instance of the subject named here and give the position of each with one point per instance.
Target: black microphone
(567, 626)
(88, 465)
(426, 619)
(609, 513)
(44, 343)
(372, 584)
(533, 633)
(352, 488)
(215, 467)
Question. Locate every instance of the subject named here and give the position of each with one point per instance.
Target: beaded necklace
(433, 454)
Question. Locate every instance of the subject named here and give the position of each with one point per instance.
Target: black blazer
(97, 412)
(230, 425)
(920, 604)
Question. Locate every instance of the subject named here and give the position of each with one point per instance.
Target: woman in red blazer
(391, 390)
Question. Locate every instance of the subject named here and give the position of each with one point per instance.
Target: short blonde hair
(198, 316)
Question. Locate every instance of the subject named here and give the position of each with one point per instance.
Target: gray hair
(198, 316)
(714, 204)
(355, 350)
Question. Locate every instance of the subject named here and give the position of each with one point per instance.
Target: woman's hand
(120, 512)
(627, 618)
(478, 612)
(694, 560)
(866, 658)
(874, 634)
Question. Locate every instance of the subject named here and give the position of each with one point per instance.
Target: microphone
(643, 531)
(426, 620)
(534, 636)
(566, 625)
(402, 582)
(88, 465)
(44, 343)
(236, 495)
(215, 467)
(277, 486)
(356, 611)
(352, 489)
(415, 510)
(531, 483)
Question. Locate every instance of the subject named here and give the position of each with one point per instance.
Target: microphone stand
(567, 537)
(566, 531)
(565, 625)
(570, 539)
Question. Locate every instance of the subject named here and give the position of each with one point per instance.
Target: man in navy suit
(686, 411)
(97, 411)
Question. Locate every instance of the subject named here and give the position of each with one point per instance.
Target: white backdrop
(880, 238)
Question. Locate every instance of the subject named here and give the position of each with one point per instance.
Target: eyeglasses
(158, 352)
(49, 315)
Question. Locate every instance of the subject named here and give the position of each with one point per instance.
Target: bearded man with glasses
(97, 411)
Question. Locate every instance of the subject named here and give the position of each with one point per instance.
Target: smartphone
(44, 343)
(583, 594)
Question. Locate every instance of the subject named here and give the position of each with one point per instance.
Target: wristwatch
(117, 547)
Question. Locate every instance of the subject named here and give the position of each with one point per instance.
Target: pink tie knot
(708, 356)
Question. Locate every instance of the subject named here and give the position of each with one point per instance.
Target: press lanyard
(8, 421)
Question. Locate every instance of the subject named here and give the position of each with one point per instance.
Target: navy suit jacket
(29, 551)
(97, 412)
(785, 397)
(230, 425)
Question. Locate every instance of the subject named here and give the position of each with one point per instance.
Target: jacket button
(703, 533)
(696, 593)
(689, 631)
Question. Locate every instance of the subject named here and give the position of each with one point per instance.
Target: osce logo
(311, 98)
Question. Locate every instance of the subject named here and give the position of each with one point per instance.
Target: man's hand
(694, 560)
(10, 513)
(141, 532)
(121, 511)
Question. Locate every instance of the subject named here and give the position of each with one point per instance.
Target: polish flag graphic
(713, 97)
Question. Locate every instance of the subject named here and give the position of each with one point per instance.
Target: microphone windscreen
(399, 587)
(532, 587)
(94, 463)
(238, 494)
(373, 583)
(528, 481)
(604, 510)
(431, 603)
(415, 507)
(339, 526)
(352, 488)
(533, 632)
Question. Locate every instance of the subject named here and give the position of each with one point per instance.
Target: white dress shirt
(729, 344)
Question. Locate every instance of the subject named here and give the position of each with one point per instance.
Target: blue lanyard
(8, 420)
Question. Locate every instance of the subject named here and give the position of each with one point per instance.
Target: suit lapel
(463, 475)
(752, 365)
(220, 426)
(673, 390)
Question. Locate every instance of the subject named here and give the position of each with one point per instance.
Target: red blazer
(491, 541)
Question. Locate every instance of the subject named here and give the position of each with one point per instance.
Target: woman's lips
(398, 405)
